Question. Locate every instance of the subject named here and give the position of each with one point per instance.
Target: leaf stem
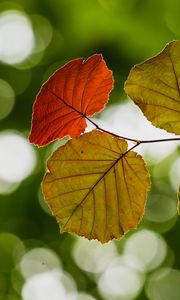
(160, 140)
(116, 135)
(138, 142)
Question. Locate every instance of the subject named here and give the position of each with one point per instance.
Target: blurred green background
(36, 262)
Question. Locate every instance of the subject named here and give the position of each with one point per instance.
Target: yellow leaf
(93, 190)
(154, 86)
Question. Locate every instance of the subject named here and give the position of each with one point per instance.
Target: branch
(138, 142)
(116, 135)
(160, 140)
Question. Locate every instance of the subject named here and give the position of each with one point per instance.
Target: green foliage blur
(126, 32)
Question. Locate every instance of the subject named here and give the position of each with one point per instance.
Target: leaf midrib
(92, 188)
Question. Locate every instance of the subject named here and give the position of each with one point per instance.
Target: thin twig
(160, 140)
(138, 142)
(111, 133)
(133, 140)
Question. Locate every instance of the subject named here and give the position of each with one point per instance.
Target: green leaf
(154, 86)
(95, 188)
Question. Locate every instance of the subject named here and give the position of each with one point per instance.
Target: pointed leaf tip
(154, 86)
(78, 89)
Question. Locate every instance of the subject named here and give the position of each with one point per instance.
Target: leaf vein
(174, 71)
(118, 204)
(75, 175)
(156, 92)
(69, 192)
(152, 74)
(88, 78)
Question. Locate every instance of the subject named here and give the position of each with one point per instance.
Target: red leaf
(78, 89)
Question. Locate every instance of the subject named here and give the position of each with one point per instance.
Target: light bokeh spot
(129, 260)
(16, 37)
(91, 256)
(17, 157)
(7, 187)
(11, 250)
(120, 282)
(175, 174)
(43, 32)
(164, 284)
(7, 99)
(83, 296)
(46, 286)
(69, 285)
(149, 247)
(160, 208)
(38, 260)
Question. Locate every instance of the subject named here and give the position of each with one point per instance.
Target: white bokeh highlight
(120, 282)
(148, 247)
(17, 157)
(91, 256)
(16, 37)
(46, 286)
(38, 260)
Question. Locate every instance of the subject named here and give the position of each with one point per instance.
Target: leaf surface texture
(93, 190)
(78, 89)
(154, 86)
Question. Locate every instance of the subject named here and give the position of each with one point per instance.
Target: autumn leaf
(154, 86)
(94, 189)
(78, 89)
